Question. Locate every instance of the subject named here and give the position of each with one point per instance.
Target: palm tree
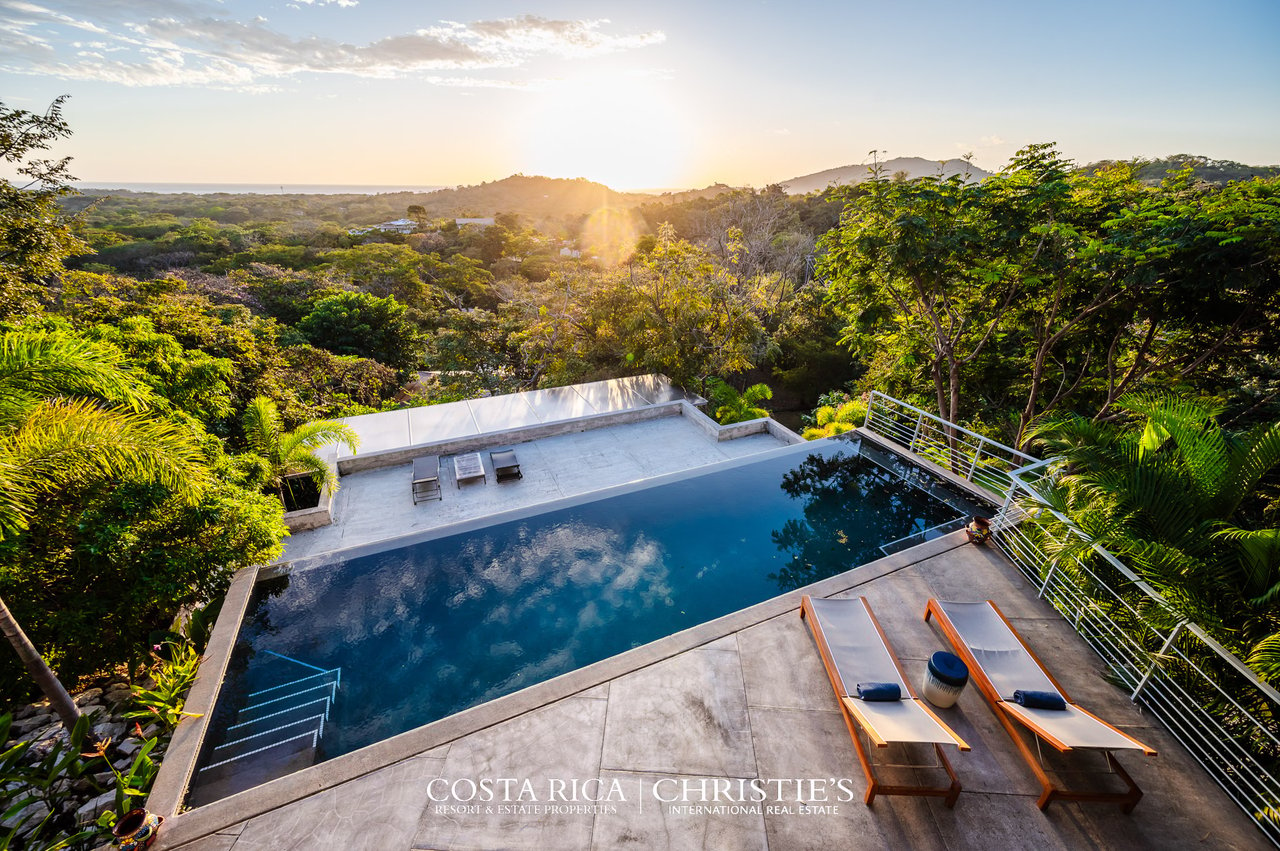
(830, 420)
(1166, 491)
(290, 452)
(70, 412)
(735, 407)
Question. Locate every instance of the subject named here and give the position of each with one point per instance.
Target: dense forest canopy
(1042, 291)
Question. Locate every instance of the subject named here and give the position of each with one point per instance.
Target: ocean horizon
(254, 188)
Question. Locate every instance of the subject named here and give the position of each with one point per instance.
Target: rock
(40, 733)
(90, 810)
(86, 697)
(129, 746)
(55, 736)
(29, 816)
(32, 722)
(102, 778)
(150, 731)
(115, 696)
(84, 784)
(123, 763)
(112, 730)
(26, 711)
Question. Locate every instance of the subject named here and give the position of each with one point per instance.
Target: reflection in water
(428, 630)
(845, 503)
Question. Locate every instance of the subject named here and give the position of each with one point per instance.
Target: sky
(660, 94)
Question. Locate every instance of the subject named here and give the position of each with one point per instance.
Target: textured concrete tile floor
(755, 704)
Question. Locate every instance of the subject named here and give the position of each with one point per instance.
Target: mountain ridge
(913, 167)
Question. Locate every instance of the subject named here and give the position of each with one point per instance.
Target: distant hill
(543, 197)
(913, 166)
(1220, 172)
(537, 199)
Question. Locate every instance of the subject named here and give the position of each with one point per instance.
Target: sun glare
(626, 131)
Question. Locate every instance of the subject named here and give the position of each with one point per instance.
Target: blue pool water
(425, 630)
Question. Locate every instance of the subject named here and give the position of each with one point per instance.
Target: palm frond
(1253, 455)
(1259, 551)
(321, 472)
(1264, 658)
(313, 435)
(66, 442)
(36, 365)
(262, 427)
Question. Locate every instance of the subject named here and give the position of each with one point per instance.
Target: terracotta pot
(978, 530)
(136, 829)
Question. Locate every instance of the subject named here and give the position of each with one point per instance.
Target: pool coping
(184, 827)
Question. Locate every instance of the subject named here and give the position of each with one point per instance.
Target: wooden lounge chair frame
(505, 465)
(426, 478)
(858, 724)
(1012, 720)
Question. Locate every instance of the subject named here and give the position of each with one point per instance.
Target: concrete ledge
(523, 434)
(179, 763)
(312, 518)
(186, 827)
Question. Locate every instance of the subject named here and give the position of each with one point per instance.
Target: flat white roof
(429, 423)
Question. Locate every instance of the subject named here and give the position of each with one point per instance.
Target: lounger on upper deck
(467, 467)
(1000, 663)
(426, 478)
(505, 465)
(854, 650)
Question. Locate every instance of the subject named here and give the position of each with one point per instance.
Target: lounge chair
(1000, 663)
(467, 467)
(854, 650)
(505, 465)
(426, 478)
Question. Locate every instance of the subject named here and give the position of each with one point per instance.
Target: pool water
(425, 630)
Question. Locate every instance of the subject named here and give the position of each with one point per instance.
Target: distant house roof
(481, 222)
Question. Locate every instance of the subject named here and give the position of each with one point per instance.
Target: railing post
(1142, 683)
(976, 454)
(916, 434)
(1053, 566)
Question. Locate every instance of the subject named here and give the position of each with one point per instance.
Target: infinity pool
(424, 630)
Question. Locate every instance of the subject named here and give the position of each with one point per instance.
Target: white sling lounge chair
(1000, 663)
(854, 650)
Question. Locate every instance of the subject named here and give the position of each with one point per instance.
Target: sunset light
(626, 130)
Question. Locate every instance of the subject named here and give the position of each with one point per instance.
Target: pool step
(277, 732)
(215, 783)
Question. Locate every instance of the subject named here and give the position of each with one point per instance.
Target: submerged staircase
(277, 732)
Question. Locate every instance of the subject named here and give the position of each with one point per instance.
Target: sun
(625, 130)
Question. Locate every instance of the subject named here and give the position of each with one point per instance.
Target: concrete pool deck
(376, 505)
(743, 698)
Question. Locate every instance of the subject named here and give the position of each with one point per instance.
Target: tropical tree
(291, 452)
(360, 324)
(70, 413)
(837, 415)
(1045, 286)
(35, 235)
(1180, 499)
(735, 407)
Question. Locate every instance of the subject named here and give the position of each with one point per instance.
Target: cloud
(176, 42)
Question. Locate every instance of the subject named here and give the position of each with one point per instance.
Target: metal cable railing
(1213, 703)
(974, 458)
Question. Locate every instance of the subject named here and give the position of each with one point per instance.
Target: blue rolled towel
(1039, 699)
(879, 691)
